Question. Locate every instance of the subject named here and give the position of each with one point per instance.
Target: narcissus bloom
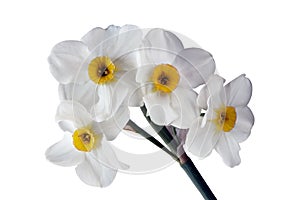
(99, 69)
(227, 122)
(85, 145)
(168, 74)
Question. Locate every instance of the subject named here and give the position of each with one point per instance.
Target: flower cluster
(112, 69)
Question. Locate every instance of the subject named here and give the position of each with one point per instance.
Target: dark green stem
(162, 131)
(190, 169)
(185, 162)
(146, 135)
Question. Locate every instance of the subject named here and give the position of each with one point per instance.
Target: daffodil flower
(85, 145)
(100, 69)
(227, 122)
(168, 74)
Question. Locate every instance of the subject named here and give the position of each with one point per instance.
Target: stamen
(101, 70)
(84, 139)
(163, 79)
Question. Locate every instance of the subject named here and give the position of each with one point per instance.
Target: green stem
(185, 162)
(163, 132)
(190, 169)
(146, 135)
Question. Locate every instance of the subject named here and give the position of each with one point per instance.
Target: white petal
(202, 140)
(184, 102)
(101, 43)
(129, 39)
(113, 126)
(215, 84)
(94, 37)
(101, 110)
(216, 92)
(203, 98)
(156, 56)
(134, 95)
(111, 97)
(195, 64)
(92, 172)
(66, 60)
(63, 153)
(86, 94)
(243, 125)
(128, 61)
(107, 156)
(119, 95)
(162, 39)
(102, 40)
(144, 74)
(67, 125)
(74, 113)
(239, 91)
(228, 148)
(164, 47)
(159, 108)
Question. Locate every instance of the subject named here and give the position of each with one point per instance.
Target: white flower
(168, 75)
(85, 145)
(99, 69)
(227, 122)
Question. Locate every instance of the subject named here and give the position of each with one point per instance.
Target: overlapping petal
(65, 61)
(85, 93)
(159, 108)
(195, 64)
(98, 36)
(134, 95)
(128, 40)
(201, 140)
(239, 91)
(114, 125)
(111, 97)
(244, 123)
(92, 172)
(162, 46)
(63, 152)
(72, 112)
(229, 148)
(184, 102)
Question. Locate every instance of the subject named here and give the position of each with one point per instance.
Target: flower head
(168, 75)
(85, 145)
(227, 122)
(101, 63)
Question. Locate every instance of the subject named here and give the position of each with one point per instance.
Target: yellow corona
(84, 139)
(101, 70)
(165, 78)
(226, 118)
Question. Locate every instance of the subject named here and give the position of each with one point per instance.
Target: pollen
(165, 78)
(101, 70)
(84, 139)
(226, 118)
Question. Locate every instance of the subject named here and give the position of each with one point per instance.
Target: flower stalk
(192, 172)
(154, 141)
(185, 162)
(163, 132)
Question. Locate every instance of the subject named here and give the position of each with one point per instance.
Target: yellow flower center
(84, 139)
(101, 70)
(165, 78)
(226, 118)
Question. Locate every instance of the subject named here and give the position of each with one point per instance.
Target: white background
(259, 38)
